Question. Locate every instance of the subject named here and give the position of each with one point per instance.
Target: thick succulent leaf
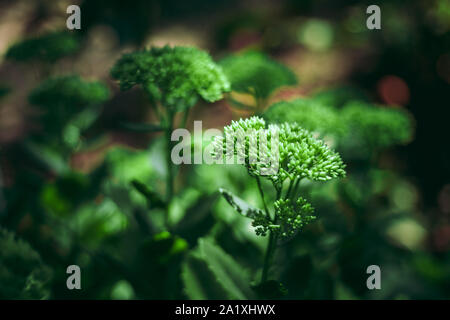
(198, 219)
(154, 200)
(210, 273)
(240, 205)
(199, 282)
(227, 271)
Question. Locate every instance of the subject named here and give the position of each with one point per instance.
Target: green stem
(270, 253)
(185, 117)
(268, 258)
(288, 192)
(258, 181)
(296, 186)
(170, 175)
(259, 105)
(271, 248)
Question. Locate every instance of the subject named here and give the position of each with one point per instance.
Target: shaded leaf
(199, 282)
(154, 200)
(223, 277)
(240, 205)
(198, 219)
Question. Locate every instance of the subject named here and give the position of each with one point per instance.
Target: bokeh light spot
(393, 90)
(316, 35)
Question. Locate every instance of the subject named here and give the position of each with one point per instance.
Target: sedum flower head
(174, 75)
(304, 156)
(290, 218)
(297, 152)
(48, 47)
(377, 127)
(256, 74)
(248, 142)
(310, 114)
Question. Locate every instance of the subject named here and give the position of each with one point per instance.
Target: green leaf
(240, 205)
(141, 127)
(199, 282)
(198, 219)
(154, 200)
(210, 273)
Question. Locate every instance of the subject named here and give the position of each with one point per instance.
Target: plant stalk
(258, 181)
(170, 173)
(271, 247)
(270, 251)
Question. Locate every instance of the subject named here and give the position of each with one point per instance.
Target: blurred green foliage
(355, 127)
(310, 114)
(378, 127)
(47, 47)
(134, 239)
(256, 74)
(69, 105)
(22, 273)
(70, 91)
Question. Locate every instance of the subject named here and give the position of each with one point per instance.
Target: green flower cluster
(289, 218)
(310, 114)
(175, 76)
(303, 156)
(298, 154)
(256, 74)
(356, 125)
(49, 47)
(377, 127)
(250, 143)
(69, 91)
(263, 224)
(22, 273)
